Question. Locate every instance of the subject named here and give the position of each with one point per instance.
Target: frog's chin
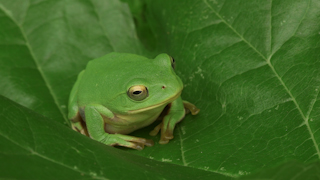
(172, 98)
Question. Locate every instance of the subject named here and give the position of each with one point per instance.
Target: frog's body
(120, 93)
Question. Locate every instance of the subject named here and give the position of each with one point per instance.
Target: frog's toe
(189, 107)
(135, 142)
(137, 146)
(166, 136)
(156, 130)
(149, 142)
(165, 141)
(153, 132)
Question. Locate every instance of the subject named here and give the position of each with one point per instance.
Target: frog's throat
(156, 105)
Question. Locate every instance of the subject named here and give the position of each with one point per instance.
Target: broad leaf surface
(45, 44)
(252, 67)
(35, 147)
(291, 170)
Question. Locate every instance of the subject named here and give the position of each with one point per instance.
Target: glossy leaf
(45, 44)
(252, 67)
(291, 170)
(35, 147)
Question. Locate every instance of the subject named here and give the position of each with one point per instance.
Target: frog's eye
(138, 92)
(173, 62)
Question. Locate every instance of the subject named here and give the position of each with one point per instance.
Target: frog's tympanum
(119, 93)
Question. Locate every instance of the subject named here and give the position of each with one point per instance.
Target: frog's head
(150, 83)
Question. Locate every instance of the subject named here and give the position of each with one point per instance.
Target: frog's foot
(126, 141)
(167, 126)
(189, 107)
(165, 135)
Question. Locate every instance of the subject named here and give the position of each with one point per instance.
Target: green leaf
(35, 147)
(45, 44)
(291, 170)
(138, 9)
(252, 67)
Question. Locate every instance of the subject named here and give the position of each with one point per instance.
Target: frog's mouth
(156, 105)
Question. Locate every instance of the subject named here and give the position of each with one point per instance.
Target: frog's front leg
(95, 124)
(176, 114)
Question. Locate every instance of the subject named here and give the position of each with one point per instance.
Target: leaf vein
(33, 152)
(234, 30)
(274, 71)
(181, 148)
(27, 44)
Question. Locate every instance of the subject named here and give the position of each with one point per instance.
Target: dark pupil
(137, 92)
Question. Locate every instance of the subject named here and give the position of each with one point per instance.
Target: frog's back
(116, 61)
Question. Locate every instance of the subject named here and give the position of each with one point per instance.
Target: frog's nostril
(163, 87)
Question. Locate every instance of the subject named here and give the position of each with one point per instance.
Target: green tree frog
(119, 93)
